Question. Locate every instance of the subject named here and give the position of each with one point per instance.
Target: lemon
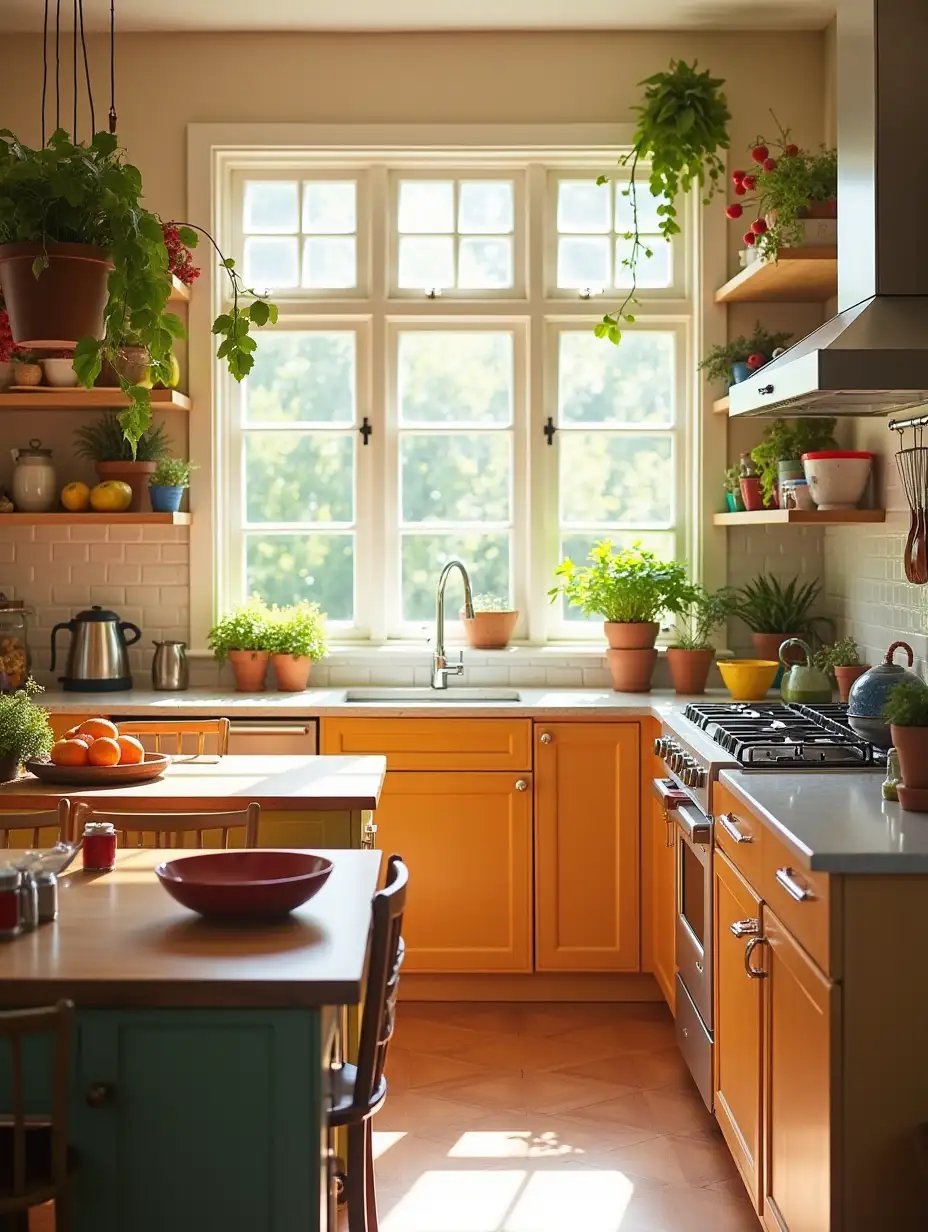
(76, 497)
(111, 496)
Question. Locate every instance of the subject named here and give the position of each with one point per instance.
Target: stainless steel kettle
(98, 659)
(169, 668)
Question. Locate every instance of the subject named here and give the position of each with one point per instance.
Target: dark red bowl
(236, 884)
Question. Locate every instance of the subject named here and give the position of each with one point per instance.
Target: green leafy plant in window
(767, 605)
(491, 603)
(248, 627)
(702, 613)
(682, 127)
(298, 630)
(906, 705)
(632, 586)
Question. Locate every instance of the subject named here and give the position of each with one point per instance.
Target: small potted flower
(167, 484)
(906, 711)
(690, 655)
(736, 360)
(104, 443)
(842, 662)
(245, 637)
(493, 622)
(25, 729)
(297, 641)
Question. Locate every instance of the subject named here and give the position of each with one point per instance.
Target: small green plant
(682, 127)
(25, 728)
(906, 705)
(298, 630)
(105, 441)
(491, 603)
(768, 605)
(759, 346)
(171, 473)
(703, 612)
(248, 627)
(785, 440)
(732, 480)
(632, 586)
(843, 653)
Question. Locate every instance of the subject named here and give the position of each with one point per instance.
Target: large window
(434, 389)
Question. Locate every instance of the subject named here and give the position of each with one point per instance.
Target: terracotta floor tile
(409, 1070)
(662, 1112)
(536, 1134)
(623, 1035)
(645, 1070)
(676, 1161)
(414, 1112)
(531, 1092)
(522, 1054)
(420, 1035)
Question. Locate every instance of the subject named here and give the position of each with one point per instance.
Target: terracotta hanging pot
(250, 667)
(631, 670)
(845, 677)
(689, 669)
(638, 636)
(131, 363)
(135, 474)
(67, 300)
(911, 743)
(292, 672)
(489, 630)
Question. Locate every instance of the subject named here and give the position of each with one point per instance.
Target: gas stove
(785, 736)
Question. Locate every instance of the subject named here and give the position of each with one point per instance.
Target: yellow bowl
(747, 680)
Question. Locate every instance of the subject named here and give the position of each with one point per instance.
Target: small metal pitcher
(170, 671)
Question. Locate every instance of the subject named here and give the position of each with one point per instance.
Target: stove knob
(676, 760)
(687, 775)
(660, 746)
(699, 777)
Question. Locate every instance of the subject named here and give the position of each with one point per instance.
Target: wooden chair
(167, 826)
(360, 1090)
(59, 820)
(169, 737)
(36, 1165)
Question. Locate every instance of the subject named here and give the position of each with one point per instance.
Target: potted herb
(733, 499)
(906, 711)
(167, 483)
(842, 661)
(779, 455)
(493, 622)
(690, 655)
(749, 483)
(297, 640)
(630, 590)
(736, 360)
(245, 637)
(105, 444)
(25, 729)
(790, 186)
(682, 127)
(83, 264)
(775, 611)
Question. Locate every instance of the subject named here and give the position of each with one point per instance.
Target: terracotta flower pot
(489, 630)
(131, 364)
(689, 669)
(751, 493)
(65, 303)
(767, 646)
(250, 667)
(9, 768)
(135, 474)
(845, 676)
(631, 670)
(639, 636)
(911, 743)
(292, 672)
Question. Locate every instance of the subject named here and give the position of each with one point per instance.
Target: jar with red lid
(99, 847)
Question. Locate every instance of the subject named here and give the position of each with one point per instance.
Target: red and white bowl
(837, 478)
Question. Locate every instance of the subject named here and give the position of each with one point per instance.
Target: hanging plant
(682, 126)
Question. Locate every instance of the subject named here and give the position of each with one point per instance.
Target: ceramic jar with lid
(35, 485)
(15, 658)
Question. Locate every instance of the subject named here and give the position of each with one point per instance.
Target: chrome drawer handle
(755, 973)
(727, 822)
(744, 928)
(791, 886)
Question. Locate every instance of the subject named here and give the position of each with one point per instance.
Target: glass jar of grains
(15, 659)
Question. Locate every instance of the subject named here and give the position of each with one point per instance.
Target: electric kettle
(98, 659)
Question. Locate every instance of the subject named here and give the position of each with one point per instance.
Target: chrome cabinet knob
(521, 785)
(546, 738)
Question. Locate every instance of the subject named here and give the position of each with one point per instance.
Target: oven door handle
(695, 826)
(670, 796)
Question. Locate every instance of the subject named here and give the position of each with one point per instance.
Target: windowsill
(537, 654)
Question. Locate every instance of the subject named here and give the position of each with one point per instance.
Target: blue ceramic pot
(870, 691)
(739, 372)
(165, 499)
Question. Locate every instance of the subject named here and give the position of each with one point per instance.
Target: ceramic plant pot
(845, 677)
(131, 364)
(751, 494)
(135, 474)
(689, 669)
(292, 672)
(250, 667)
(869, 693)
(838, 478)
(631, 670)
(67, 300)
(27, 374)
(911, 743)
(638, 636)
(165, 498)
(9, 768)
(739, 372)
(489, 630)
(59, 373)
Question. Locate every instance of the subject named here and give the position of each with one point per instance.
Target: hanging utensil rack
(912, 465)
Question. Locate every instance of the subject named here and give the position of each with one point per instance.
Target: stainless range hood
(872, 358)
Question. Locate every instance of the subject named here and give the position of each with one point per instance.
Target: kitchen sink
(452, 696)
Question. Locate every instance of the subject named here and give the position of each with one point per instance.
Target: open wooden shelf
(93, 519)
(801, 275)
(180, 292)
(45, 398)
(720, 406)
(800, 517)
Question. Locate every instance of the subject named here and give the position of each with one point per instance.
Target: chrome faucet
(441, 669)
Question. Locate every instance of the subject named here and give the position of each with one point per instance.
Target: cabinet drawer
(434, 743)
(738, 833)
(801, 899)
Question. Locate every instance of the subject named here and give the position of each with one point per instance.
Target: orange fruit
(70, 734)
(131, 749)
(70, 753)
(84, 737)
(98, 728)
(104, 752)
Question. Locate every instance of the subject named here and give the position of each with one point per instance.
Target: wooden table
(205, 1046)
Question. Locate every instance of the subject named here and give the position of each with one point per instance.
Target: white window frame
(539, 153)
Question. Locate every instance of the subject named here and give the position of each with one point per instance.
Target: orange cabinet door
(738, 1021)
(663, 900)
(467, 841)
(586, 847)
(800, 1056)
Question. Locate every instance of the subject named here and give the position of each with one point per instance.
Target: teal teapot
(802, 682)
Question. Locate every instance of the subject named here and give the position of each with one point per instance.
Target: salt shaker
(29, 901)
(46, 885)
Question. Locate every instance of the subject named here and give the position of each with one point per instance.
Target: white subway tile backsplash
(71, 592)
(50, 533)
(124, 575)
(173, 594)
(143, 553)
(68, 553)
(125, 534)
(91, 574)
(108, 553)
(89, 533)
(110, 596)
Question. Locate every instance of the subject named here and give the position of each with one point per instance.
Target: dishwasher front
(292, 737)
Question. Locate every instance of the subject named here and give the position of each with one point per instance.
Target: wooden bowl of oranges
(94, 754)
